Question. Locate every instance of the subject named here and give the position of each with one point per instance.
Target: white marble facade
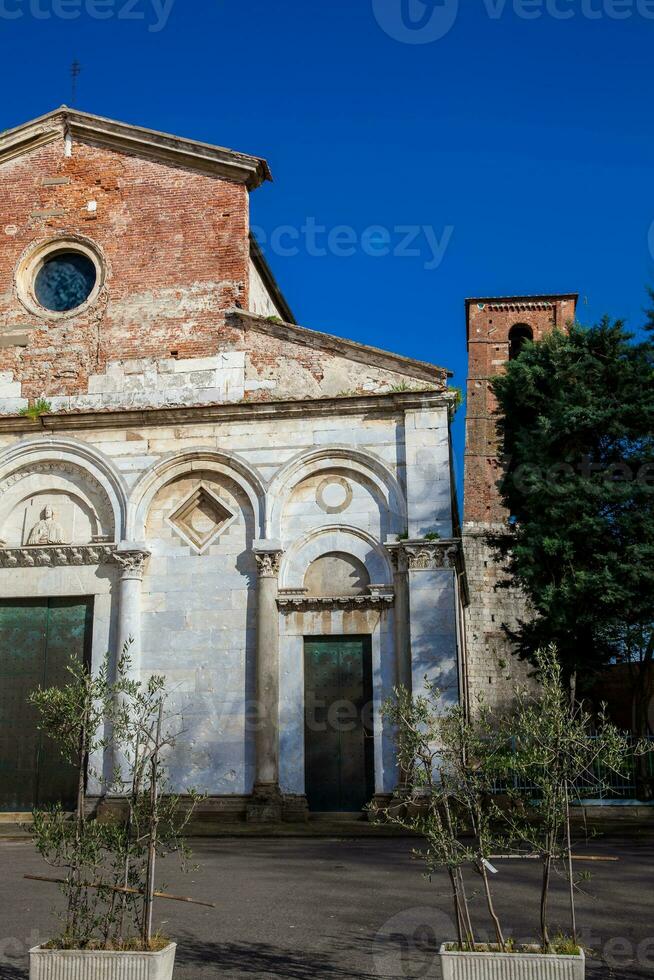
(203, 541)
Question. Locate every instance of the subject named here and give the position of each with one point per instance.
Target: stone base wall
(493, 670)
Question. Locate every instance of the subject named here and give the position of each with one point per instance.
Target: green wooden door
(338, 744)
(37, 640)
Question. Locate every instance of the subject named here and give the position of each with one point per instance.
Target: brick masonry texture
(492, 670)
(176, 250)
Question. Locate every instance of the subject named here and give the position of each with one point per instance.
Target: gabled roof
(175, 150)
(373, 356)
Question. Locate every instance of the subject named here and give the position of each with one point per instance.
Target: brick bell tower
(496, 329)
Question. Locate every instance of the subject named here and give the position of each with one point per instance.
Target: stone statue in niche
(47, 530)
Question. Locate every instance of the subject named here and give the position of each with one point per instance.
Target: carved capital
(131, 563)
(268, 563)
(397, 556)
(429, 555)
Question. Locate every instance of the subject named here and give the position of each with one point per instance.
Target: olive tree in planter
(558, 747)
(451, 765)
(109, 867)
(448, 765)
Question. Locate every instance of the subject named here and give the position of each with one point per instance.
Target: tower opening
(518, 337)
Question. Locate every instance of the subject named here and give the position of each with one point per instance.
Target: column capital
(268, 555)
(131, 560)
(420, 554)
(397, 555)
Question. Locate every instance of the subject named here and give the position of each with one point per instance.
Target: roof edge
(270, 281)
(375, 356)
(522, 298)
(137, 140)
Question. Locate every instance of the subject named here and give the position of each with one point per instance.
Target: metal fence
(603, 784)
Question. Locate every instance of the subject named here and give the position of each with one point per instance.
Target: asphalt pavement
(341, 909)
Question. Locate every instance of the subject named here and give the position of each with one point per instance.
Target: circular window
(65, 281)
(60, 278)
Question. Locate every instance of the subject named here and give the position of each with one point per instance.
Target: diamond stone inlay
(200, 518)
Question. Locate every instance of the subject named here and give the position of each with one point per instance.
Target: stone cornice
(420, 555)
(296, 600)
(53, 556)
(543, 301)
(393, 403)
(216, 161)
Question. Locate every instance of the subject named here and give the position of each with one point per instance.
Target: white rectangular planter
(77, 964)
(511, 966)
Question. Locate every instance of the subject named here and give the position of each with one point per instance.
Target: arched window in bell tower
(518, 336)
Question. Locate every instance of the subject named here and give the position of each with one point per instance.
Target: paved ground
(342, 909)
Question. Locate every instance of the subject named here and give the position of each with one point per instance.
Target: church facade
(265, 513)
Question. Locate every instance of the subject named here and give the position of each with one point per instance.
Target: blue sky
(512, 139)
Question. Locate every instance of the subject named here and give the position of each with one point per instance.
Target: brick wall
(176, 249)
(492, 669)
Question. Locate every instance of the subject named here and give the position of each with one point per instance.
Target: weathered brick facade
(152, 224)
(178, 264)
(491, 668)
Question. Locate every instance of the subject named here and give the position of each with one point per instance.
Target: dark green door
(37, 640)
(338, 744)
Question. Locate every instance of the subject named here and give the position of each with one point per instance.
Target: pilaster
(131, 558)
(266, 805)
(431, 570)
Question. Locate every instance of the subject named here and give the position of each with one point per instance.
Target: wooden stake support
(537, 857)
(124, 891)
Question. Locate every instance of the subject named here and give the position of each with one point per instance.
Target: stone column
(432, 590)
(401, 616)
(131, 560)
(266, 802)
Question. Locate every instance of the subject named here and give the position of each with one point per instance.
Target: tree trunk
(491, 908)
(466, 910)
(643, 695)
(75, 894)
(153, 833)
(571, 880)
(544, 930)
(457, 907)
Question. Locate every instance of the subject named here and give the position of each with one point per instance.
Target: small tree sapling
(448, 764)
(557, 746)
(109, 883)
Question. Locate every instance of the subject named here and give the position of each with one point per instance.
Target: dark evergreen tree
(576, 414)
(650, 311)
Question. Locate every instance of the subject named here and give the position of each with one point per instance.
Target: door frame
(368, 720)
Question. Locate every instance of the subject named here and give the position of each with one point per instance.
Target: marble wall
(180, 513)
